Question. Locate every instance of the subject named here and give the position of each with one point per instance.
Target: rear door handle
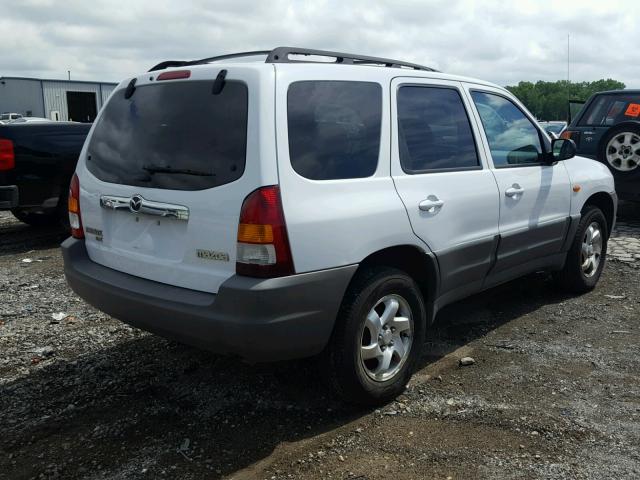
(431, 204)
(514, 190)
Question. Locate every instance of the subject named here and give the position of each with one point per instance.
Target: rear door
(534, 195)
(440, 174)
(165, 172)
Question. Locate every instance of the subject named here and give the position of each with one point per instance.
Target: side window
(513, 138)
(334, 128)
(596, 112)
(624, 108)
(433, 130)
(616, 110)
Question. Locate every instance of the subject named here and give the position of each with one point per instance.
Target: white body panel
(546, 188)
(330, 223)
(546, 196)
(591, 176)
(470, 209)
(338, 222)
(165, 249)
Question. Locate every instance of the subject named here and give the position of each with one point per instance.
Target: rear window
(175, 136)
(334, 128)
(607, 110)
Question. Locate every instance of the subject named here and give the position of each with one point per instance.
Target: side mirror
(563, 149)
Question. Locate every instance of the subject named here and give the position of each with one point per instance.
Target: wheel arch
(421, 266)
(604, 202)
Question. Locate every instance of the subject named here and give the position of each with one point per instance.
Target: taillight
(571, 135)
(75, 219)
(263, 244)
(7, 155)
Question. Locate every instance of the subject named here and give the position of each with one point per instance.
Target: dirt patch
(554, 391)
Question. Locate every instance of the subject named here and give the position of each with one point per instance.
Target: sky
(501, 41)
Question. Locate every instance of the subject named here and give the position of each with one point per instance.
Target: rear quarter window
(334, 128)
(608, 110)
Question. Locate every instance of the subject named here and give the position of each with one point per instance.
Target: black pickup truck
(37, 161)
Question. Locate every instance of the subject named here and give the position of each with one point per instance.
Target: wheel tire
(602, 154)
(36, 219)
(341, 362)
(573, 278)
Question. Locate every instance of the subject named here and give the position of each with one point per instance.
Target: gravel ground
(554, 391)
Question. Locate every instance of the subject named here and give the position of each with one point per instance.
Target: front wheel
(586, 257)
(378, 337)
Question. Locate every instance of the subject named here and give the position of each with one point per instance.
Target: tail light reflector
(7, 155)
(75, 219)
(571, 135)
(263, 244)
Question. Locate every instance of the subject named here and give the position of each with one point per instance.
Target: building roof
(56, 80)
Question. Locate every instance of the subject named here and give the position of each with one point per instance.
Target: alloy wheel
(591, 252)
(623, 151)
(386, 338)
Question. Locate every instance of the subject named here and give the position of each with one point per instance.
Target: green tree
(549, 100)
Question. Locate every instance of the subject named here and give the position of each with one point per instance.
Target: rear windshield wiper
(183, 171)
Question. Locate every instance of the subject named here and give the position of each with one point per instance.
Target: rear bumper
(8, 197)
(256, 319)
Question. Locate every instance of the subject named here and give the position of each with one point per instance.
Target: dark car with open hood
(608, 129)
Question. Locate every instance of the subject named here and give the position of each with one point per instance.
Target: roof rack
(184, 63)
(282, 55)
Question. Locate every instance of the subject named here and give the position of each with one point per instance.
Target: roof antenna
(218, 84)
(130, 88)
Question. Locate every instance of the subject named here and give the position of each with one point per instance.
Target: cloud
(503, 42)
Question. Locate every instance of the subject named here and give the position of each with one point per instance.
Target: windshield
(176, 136)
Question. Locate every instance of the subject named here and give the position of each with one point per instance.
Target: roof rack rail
(184, 63)
(281, 55)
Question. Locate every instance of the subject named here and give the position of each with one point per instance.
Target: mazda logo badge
(135, 203)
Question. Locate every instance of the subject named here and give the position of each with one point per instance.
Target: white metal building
(55, 99)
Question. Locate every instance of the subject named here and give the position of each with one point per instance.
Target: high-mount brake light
(75, 219)
(7, 155)
(174, 75)
(263, 244)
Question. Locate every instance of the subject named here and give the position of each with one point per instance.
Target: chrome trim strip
(137, 204)
(115, 203)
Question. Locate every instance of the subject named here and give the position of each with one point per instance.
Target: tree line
(549, 100)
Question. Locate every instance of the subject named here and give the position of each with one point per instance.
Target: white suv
(301, 206)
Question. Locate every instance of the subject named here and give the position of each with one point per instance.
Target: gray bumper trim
(8, 197)
(256, 319)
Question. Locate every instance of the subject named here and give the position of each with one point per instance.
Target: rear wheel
(586, 257)
(377, 338)
(621, 150)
